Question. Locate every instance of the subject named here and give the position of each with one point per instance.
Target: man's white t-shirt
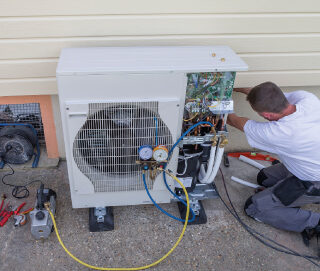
(294, 138)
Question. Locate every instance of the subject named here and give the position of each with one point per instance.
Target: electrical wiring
(47, 206)
(215, 79)
(187, 132)
(213, 106)
(256, 234)
(18, 191)
(185, 165)
(185, 158)
(191, 117)
(204, 90)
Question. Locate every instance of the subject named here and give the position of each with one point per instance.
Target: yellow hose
(128, 268)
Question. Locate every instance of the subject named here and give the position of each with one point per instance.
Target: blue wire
(165, 212)
(156, 130)
(170, 152)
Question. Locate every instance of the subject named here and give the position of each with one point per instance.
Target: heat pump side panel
(76, 92)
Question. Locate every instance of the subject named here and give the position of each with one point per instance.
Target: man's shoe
(317, 230)
(307, 235)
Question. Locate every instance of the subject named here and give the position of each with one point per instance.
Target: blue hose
(163, 211)
(187, 132)
(170, 152)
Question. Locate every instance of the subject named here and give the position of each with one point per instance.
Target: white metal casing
(129, 74)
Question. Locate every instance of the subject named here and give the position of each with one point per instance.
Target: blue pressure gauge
(145, 152)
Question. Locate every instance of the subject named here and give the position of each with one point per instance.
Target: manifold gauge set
(158, 154)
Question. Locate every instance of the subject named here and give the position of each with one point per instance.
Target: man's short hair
(267, 97)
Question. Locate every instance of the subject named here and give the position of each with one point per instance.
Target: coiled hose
(47, 205)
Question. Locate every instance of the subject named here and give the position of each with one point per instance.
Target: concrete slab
(142, 234)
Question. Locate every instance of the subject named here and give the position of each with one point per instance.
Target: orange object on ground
(253, 156)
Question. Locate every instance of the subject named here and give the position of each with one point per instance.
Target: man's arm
(242, 90)
(236, 121)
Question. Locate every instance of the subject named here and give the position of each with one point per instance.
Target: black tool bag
(290, 190)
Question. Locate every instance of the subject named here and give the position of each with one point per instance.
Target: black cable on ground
(256, 234)
(18, 191)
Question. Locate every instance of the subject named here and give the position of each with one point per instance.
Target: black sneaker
(307, 235)
(317, 230)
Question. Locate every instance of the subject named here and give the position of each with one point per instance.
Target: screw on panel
(213, 54)
(223, 59)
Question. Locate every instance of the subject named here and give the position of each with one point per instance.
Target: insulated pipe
(216, 166)
(202, 172)
(210, 165)
(218, 158)
(251, 162)
(235, 179)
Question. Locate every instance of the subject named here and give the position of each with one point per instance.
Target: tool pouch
(289, 190)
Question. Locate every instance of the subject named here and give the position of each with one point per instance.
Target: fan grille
(106, 147)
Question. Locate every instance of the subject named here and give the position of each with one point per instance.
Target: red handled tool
(3, 198)
(253, 156)
(20, 218)
(4, 217)
(4, 213)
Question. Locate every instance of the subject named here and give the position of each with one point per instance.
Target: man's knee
(247, 204)
(261, 177)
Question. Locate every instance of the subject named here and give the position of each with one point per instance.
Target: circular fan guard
(108, 142)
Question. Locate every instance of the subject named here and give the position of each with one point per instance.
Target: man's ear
(265, 115)
(269, 115)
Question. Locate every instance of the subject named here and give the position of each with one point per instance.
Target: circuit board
(207, 89)
(208, 98)
(210, 85)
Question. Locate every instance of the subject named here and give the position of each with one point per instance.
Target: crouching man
(293, 133)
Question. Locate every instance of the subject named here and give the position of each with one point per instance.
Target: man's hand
(236, 121)
(242, 90)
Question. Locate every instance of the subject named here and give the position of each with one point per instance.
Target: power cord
(256, 234)
(18, 191)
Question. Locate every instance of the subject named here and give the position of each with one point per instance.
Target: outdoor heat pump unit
(122, 107)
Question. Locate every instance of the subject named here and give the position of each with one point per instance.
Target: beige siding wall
(280, 40)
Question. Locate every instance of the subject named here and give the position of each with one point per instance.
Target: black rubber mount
(107, 225)
(200, 219)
